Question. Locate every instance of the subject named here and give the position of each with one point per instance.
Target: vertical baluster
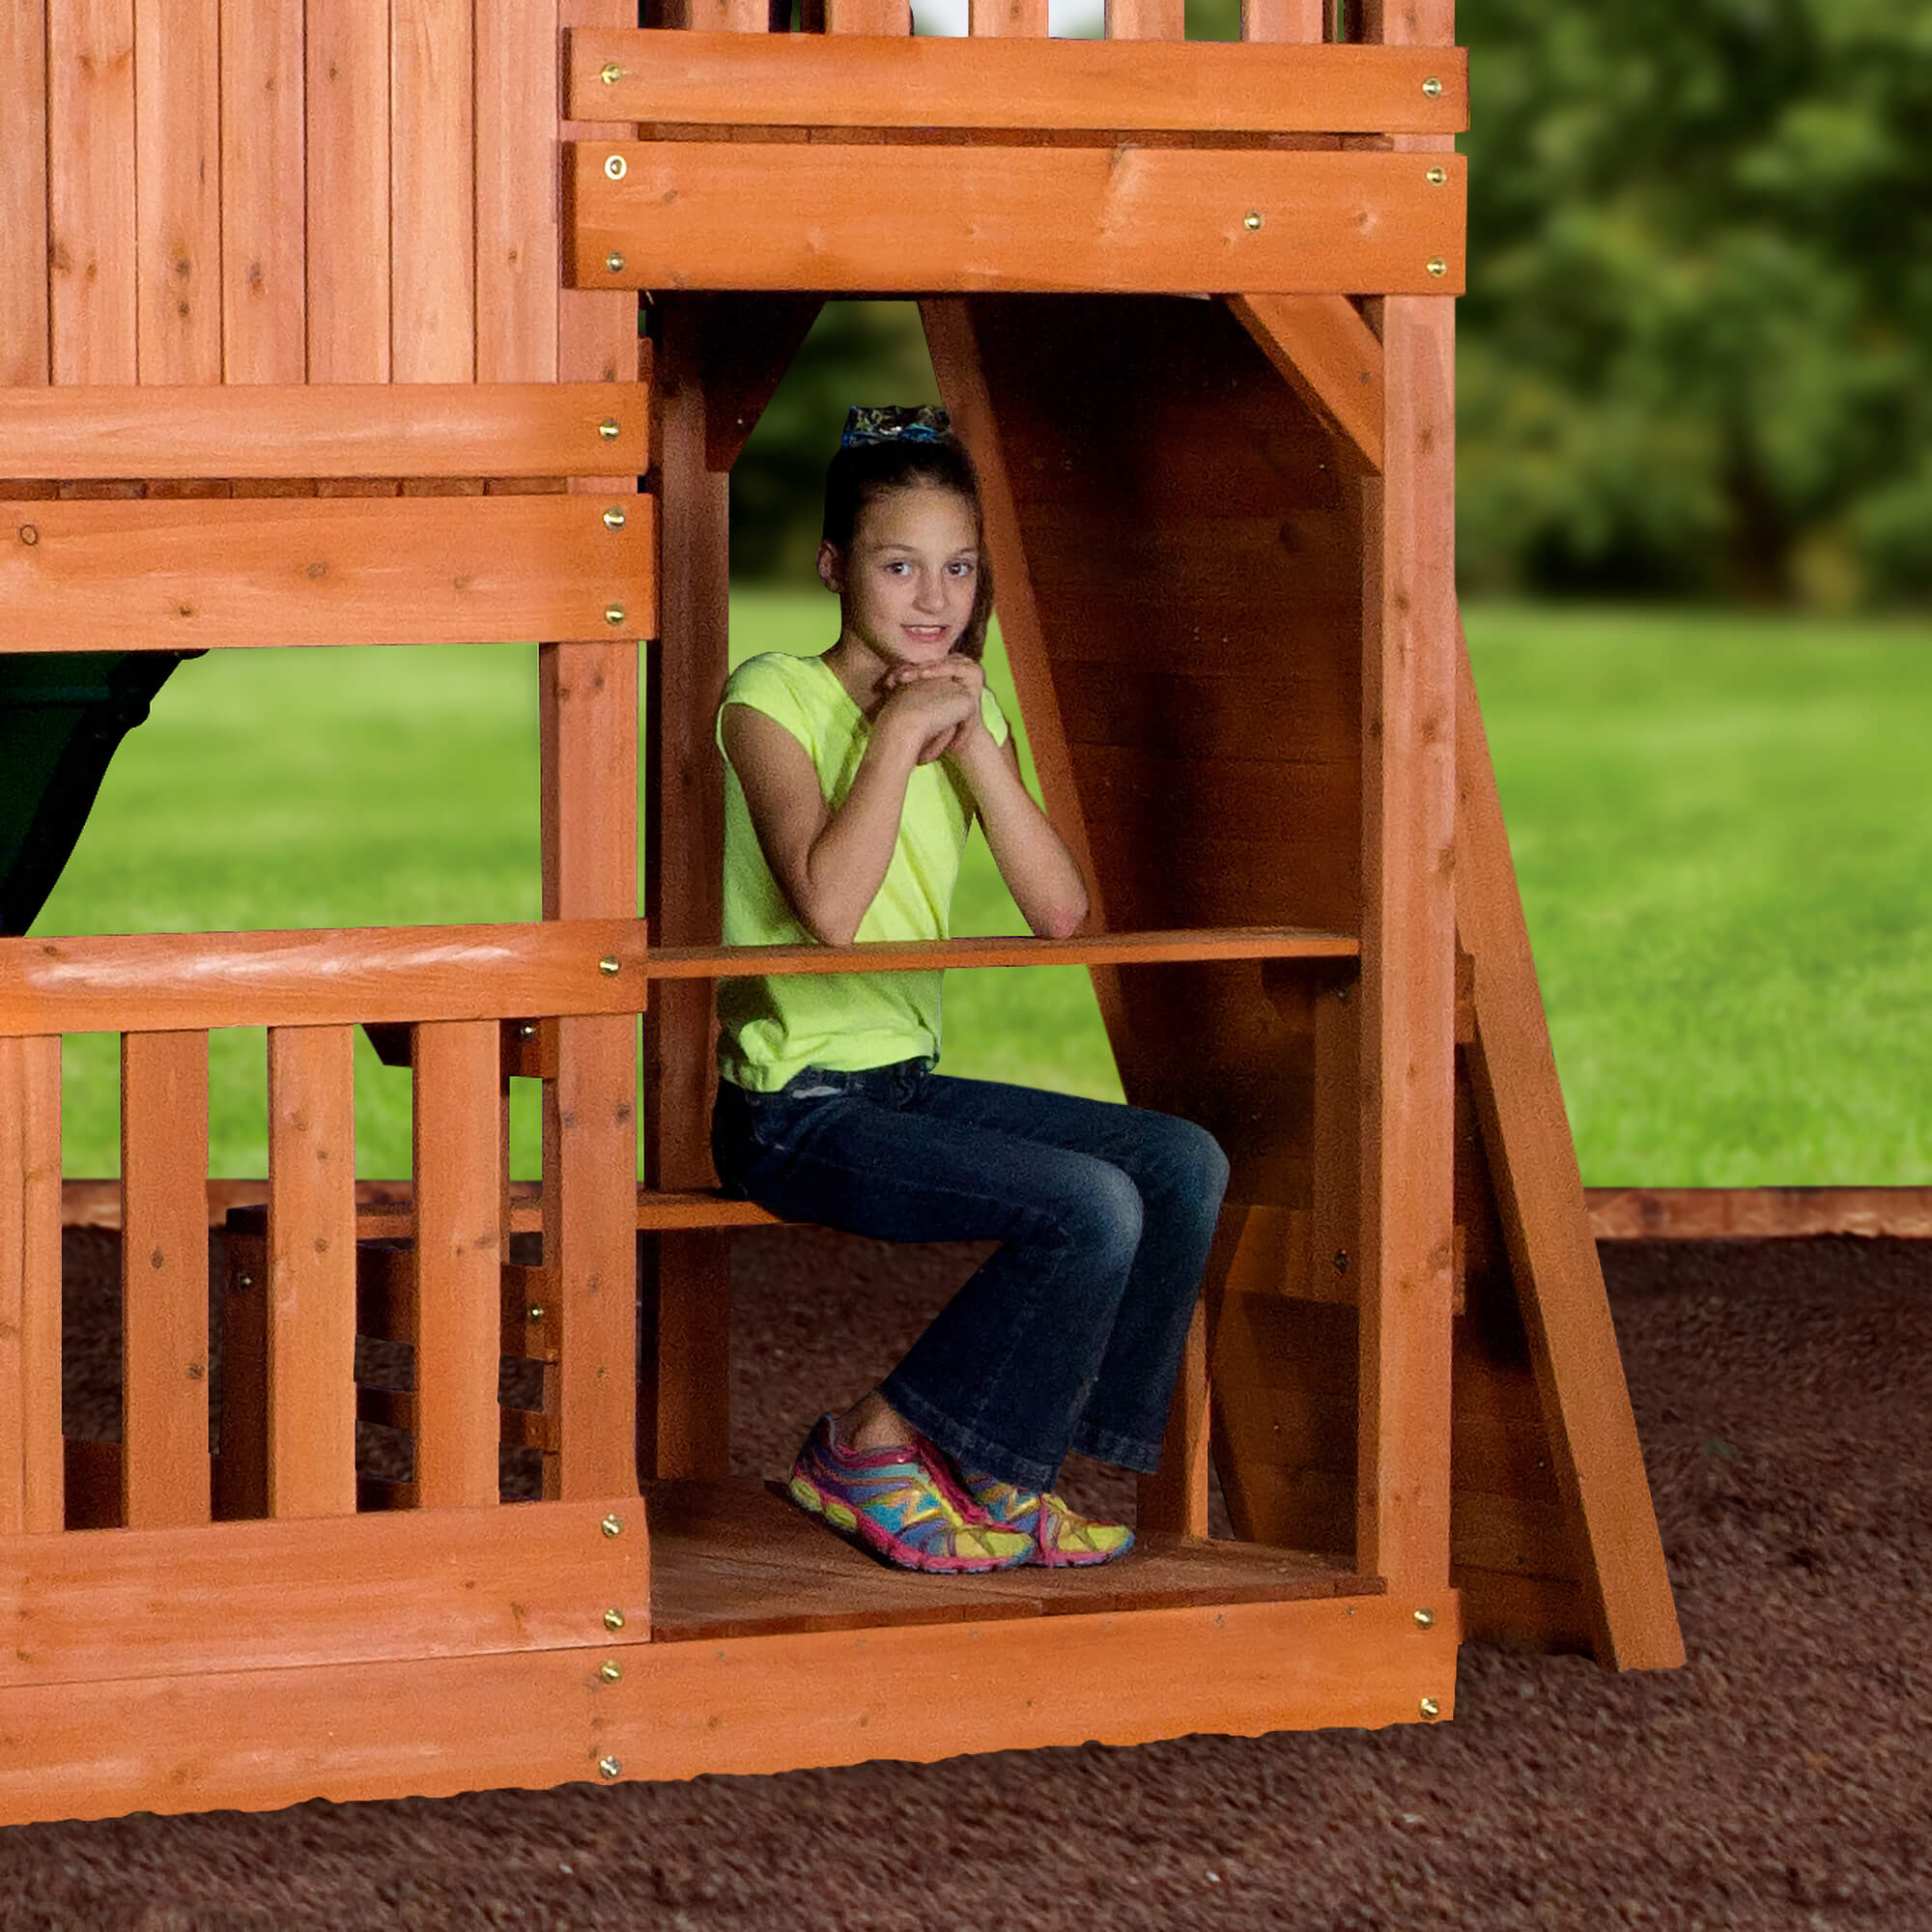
(433, 191)
(1147, 19)
(264, 268)
(30, 1452)
(23, 197)
(517, 247)
(310, 1293)
(164, 1466)
(988, 19)
(455, 1322)
(1303, 21)
(178, 119)
(348, 191)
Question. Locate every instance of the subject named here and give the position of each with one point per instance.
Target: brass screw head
(1426, 1617)
(1432, 87)
(610, 1767)
(30, 534)
(1431, 1708)
(610, 429)
(1341, 1261)
(1252, 220)
(245, 1281)
(609, 965)
(610, 1671)
(617, 167)
(527, 1031)
(614, 613)
(614, 518)
(1437, 176)
(614, 1620)
(613, 1525)
(534, 1312)
(615, 262)
(1438, 265)
(609, 74)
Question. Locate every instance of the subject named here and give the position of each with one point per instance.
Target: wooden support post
(31, 1457)
(1532, 1160)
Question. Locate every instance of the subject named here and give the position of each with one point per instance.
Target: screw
(609, 74)
(245, 1281)
(534, 1312)
(613, 1525)
(617, 167)
(1341, 1261)
(615, 262)
(609, 965)
(527, 1031)
(1340, 992)
(1436, 177)
(614, 613)
(610, 429)
(1431, 1708)
(610, 1671)
(614, 1620)
(1252, 220)
(614, 518)
(610, 1767)
(1432, 87)
(1426, 1617)
(1438, 265)
(30, 534)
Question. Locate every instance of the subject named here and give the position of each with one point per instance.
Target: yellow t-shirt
(770, 1029)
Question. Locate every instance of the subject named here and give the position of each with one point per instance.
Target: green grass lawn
(1723, 828)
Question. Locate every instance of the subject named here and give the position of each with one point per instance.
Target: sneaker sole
(860, 1531)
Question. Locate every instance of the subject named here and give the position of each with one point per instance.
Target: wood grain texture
(31, 1459)
(178, 147)
(518, 240)
(169, 982)
(264, 246)
(432, 1727)
(989, 20)
(91, 154)
(433, 191)
(23, 196)
(455, 1315)
(323, 429)
(346, 236)
(597, 333)
(1145, 21)
(868, 17)
(260, 1598)
(686, 214)
(1283, 21)
(1532, 1161)
(1407, 981)
(164, 1474)
(1329, 357)
(195, 575)
(309, 1297)
(1174, 1500)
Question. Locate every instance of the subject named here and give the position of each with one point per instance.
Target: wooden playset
(321, 325)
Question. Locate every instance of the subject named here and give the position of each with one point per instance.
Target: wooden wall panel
(348, 190)
(91, 190)
(517, 190)
(23, 193)
(433, 191)
(178, 140)
(31, 1458)
(264, 274)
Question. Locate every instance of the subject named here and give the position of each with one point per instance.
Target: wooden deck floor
(738, 1559)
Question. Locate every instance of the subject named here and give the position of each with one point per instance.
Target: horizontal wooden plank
(281, 1595)
(141, 983)
(328, 429)
(1093, 949)
(875, 81)
(700, 214)
(434, 1727)
(191, 575)
(1757, 1213)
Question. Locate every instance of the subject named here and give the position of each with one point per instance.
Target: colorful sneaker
(1060, 1539)
(902, 1504)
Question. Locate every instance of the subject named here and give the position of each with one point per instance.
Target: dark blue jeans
(1068, 1338)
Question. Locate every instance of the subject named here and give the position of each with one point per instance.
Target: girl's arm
(1033, 858)
(831, 865)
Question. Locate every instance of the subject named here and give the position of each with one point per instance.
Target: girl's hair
(861, 472)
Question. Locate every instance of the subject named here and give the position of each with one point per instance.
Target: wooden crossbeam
(1330, 358)
(833, 81)
(699, 215)
(327, 429)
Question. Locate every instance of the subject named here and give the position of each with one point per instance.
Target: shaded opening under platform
(737, 1558)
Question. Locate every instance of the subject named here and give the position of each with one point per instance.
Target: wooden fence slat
(348, 191)
(91, 190)
(1018, 19)
(164, 1465)
(263, 271)
(456, 1314)
(1207, 87)
(169, 982)
(1147, 19)
(686, 214)
(1283, 21)
(310, 1293)
(31, 1453)
(195, 575)
(516, 219)
(23, 196)
(433, 191)
(868, 17)
(178, 140)
(345, 430)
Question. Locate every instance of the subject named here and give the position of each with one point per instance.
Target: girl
(853, 779)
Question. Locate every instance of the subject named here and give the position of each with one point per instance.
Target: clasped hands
(942, 699)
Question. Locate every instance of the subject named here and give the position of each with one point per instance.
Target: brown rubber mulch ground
(1783, 1392)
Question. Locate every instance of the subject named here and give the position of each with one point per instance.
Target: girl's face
(908, 585)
